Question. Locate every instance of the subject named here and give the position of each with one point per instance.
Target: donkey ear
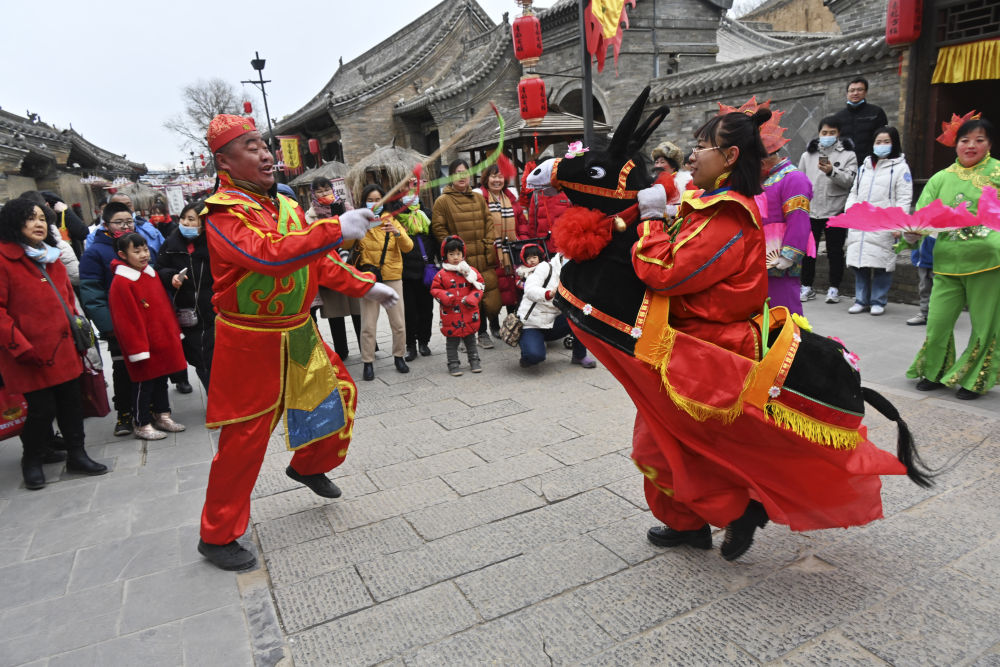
(623, 133)
(641, 135)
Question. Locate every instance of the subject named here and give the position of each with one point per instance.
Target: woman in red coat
(149, 335)
(38, 357)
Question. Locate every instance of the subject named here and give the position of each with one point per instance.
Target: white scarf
(466, 270)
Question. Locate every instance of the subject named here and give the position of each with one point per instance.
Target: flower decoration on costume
(949, 134)
(588, 309)
(575, 149)
(636, 332)
(770, 132)
(853, 359)
(774, 391)
(802, 322)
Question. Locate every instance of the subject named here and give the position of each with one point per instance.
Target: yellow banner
(290, 152)
(968, 62)
(608, 13)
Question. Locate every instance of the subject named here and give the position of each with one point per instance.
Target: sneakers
(806, 293)
(476, 366)
(877, 309)
(856, 308)
(833, 295)
(232, 557)
(455, 371)
(665, 536)
(147, 432)
(917, 320)
(163, 422)
(485, 341)
(584, 361)
(124, 424)
(319, 483)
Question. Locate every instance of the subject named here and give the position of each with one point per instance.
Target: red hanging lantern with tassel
(247, 108)
(527, 34)
(532, 100)
(314, 146)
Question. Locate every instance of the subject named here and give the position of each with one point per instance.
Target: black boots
(424, 350)
(319, 483)
(369, 371)
(401, 365)
(665, 536)
(34, 476)
(232, 556)
(411, 352)
(78, 462)
(739, 534)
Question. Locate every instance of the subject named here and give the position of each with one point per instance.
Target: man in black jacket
(859, 119)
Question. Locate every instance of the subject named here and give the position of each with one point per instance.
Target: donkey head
(607, 179)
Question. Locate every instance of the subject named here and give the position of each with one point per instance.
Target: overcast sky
(115, 70)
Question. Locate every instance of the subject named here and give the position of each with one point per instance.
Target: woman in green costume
(966, 273)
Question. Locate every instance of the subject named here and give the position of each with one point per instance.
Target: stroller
(511, 249)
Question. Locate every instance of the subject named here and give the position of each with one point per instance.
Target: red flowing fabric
(711, 469)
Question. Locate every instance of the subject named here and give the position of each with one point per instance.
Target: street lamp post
(258, 64)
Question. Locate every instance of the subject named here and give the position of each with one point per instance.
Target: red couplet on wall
(903, 21)
(314, 146)
(532, 100)
(527, 34)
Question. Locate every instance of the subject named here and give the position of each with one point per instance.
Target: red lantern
(532, 100)
(527, 34)
(903, 21)
(314, 146)
(247, 108)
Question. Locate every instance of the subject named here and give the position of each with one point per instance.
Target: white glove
(782, 263)
(671, 210)
(354, 224)
(382, 294)
(652, 202)
(911, 237)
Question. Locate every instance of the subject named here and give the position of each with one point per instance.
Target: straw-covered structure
(386, 166)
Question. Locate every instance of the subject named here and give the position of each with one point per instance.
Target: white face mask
(827, 141)
(882, 150)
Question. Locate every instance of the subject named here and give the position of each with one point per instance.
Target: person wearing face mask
(323, 203)
(859, 118)
(831, 165)
(186, 249)
(883, 180)
(416, 292)
(507, 216)
(160, 218)
(95, 283)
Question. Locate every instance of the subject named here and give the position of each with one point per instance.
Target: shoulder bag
(79, 326)
(430, 268)
(377, 270)
(512, 326)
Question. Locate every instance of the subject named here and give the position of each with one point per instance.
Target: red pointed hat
(226, 127)
(770, 132)
(950, 128)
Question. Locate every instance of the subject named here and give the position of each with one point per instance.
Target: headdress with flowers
(949, 129)
(770, 132)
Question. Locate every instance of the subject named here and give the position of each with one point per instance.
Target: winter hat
(670, 152)
(531, 246)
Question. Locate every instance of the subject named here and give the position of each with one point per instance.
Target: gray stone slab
(291, 502)
(387, 477)
(307, 560)
(162, 645)
(168, 512)
(31, 509)
(193, 477)
(480, 413)
(942, 619)
(117, 490)
(428, 410)
(501, 472)
(520, 436)
(126, 558)
(389, 503)
(179, 592)
(831, 649)
(631, 489)
(14, 541)
(34, 580)
(469, 511)
(366, 454)
(519, 582)
(178, 456)
(81, 530)
(981, 564)
(320, 599)
(581, 477)
(627, 538)
(381, 632)
(370, 405)
(590, 446)
(293, 529)
(267, 641)
(437, 440)
(218, 638)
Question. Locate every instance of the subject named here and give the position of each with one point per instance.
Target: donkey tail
(906, 450)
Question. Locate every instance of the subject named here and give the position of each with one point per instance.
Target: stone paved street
(497, 519)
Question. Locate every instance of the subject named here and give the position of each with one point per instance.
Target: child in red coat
(458, 287)
(150, 338)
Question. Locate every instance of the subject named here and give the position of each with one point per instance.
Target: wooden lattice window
(967, 21)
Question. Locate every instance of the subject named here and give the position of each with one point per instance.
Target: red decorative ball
(581, 233)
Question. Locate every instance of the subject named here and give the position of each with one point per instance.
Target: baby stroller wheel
(568, 342)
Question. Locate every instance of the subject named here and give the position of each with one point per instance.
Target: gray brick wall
(855, 15)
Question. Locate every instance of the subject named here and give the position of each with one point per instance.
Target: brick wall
(854, 15)
(796, 16)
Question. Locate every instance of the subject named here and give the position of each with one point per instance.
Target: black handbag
(377, 270)
(79, 326)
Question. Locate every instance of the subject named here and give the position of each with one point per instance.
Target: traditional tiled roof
(554, 124)
(384, 64)
(861, 46)
(737, 41)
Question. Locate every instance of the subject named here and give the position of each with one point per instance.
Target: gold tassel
(811, 429)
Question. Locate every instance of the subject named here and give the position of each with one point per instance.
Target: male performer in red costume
(268, 263)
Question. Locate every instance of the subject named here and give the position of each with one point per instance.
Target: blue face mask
(854, 104)
(410, 200)
(377, 210)
(882, 150)
(827, 141)
(189, 232)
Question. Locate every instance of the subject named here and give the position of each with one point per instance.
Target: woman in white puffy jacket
(883, 180)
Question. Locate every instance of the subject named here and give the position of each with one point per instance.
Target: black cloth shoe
(739, 534)
(665, 536)
(232, 556)
(58, 442)
(77, 461)
(928, 385)
(411, 353)
(34, 476)
(424, 350)
(184, 387)
(124, 424)
(966, 395)
(319, 483)
(53, 456)
(401, 365)
(369, 372)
